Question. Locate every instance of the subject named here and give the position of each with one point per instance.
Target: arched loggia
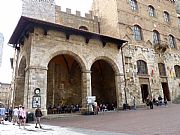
(103, 83)
(63, 83)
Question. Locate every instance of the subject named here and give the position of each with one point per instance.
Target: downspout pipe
(125, 80)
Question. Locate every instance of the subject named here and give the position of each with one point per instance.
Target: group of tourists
(63, 109)
(19, 116)
(103, 107)
(158, 102)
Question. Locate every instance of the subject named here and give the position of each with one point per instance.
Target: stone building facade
(68, 57)
(152, 31)
(5, 94)
(64, 58)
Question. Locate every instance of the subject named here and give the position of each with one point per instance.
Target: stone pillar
(36, 78)
(119, 92)
(86, 87)
(19, 90)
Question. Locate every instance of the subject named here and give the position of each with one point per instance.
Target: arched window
(172, 42)
(151, 11)
(156, 37)
(166, 17)
(134, 5)
(83, 28)
(162, 70)
(177, 71)
(137, 33)
(142, 67)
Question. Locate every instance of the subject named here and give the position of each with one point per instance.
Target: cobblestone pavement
(159, 121)
(10, 129)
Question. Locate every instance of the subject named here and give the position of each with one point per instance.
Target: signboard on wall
(91, 99)
(36, 101)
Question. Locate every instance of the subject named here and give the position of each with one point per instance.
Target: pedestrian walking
(38, 115)
(151, 104)
(15, 115)
(22, 117)
(10, 114)
(134, 103)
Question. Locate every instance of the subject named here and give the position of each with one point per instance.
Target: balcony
(160, 46)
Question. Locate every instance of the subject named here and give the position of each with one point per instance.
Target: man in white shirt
(15, 115)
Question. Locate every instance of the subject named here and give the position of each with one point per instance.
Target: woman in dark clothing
(151, 104)
(38, 115)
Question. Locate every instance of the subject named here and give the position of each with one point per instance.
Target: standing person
(147, 102)
(15, 115)
(165, 101)
(150, 104)
(10, 113)
(134, 103)
(96, 108)
(22, 117)
(38, 115)
(160, 100)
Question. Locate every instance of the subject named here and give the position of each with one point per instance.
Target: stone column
(36, 78)
(118, 80)
(19, 90)
(86, 87)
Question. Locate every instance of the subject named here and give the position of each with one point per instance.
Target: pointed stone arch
(141, 57)
(21, 67)
(20, 82)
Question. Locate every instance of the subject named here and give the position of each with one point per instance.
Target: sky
(10, 12)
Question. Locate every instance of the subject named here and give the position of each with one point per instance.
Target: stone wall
(39, 9)
(122, 27)
(40, 49)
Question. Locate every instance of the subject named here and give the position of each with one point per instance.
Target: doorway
(166, 91)
(144, 92)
